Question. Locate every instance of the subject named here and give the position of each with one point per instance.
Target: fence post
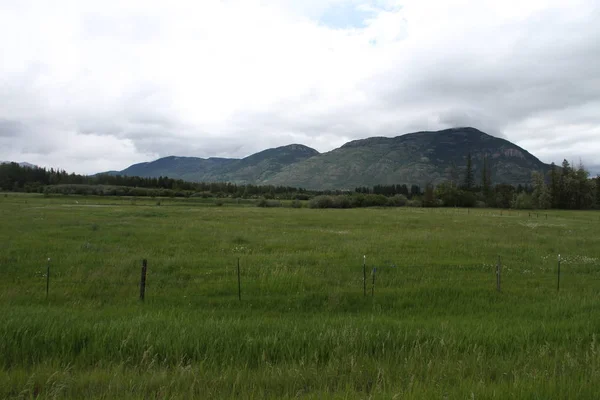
(373, 287)
(239, 280)
(47, 278)
(498, 274)
(558, 282)
(143, 280)
(365, 275)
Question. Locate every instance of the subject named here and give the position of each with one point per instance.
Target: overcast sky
(89, 86)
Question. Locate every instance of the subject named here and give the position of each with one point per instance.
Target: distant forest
(564, 187)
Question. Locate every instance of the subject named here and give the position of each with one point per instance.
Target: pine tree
(469, 180)
(554, 186)
(541, 197)
(486, 181)
(564, 186)
(429, 196)
(598, 191)
(453, 174)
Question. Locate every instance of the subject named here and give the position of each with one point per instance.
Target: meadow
(432, 326)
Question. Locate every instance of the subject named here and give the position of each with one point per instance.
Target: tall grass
(436, 327)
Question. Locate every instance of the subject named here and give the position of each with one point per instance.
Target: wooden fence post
(558, 282)
(373, 287)
(498, 274)
(47, 278)
(143, 280)
(365, 275)
(239, 280)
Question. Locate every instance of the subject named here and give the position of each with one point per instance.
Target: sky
(90, 86)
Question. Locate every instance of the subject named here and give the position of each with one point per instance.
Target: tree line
(17, 178)
(563, 187)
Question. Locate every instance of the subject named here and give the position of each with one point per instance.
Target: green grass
(436, 327)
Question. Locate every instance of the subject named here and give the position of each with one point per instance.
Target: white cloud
(97, 85)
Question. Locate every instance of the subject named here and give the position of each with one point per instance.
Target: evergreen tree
(453, 174)
(585, 190)
(598, 191)
(469, 180)
(429, 196)
(564, 186)
(486, 181)
(415, 190)
(540, 196)
(554, 187)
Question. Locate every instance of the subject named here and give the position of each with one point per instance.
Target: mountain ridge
(22, 164)
(414, 158)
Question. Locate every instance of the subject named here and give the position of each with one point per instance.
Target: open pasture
(433, 325)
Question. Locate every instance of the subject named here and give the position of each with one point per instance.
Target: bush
(296, 203)
(375, 200)
(398, 200)
(204, 195)
(466, 199)
(414, 203)
(522, 201)
(341, 202)
(321, 202)
(268, 203)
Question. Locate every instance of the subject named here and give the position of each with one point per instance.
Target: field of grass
(435, 328)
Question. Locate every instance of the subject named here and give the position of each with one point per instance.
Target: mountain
(258, 167)
(414, 158)
(186, 168)
(22, 164)
(265, 165)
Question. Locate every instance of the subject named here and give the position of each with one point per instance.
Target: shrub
(414, 203)
(466, 199)
(398, 200)
(375, 200)
(268, 203)
(358, 200)
(341, 202)
(522, 201)
(204, 195)
(296, 203)
(321, 202)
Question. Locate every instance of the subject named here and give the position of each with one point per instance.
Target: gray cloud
(11, 128)
(94, 86)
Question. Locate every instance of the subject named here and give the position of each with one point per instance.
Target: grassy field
(435, 328)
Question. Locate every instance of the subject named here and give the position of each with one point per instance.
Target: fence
(388, 279)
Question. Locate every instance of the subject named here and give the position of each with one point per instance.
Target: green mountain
(258, 167)
(415, 158)
(187, 168)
